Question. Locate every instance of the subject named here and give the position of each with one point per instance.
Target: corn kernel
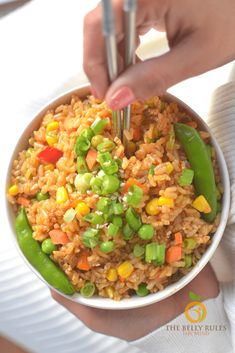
(61, 195)
(169, 167)
(112, 274)
(152, 207)
(82, 209)
(51, 139)
(13, 190)
(125, 269)
(201, 204)
(110, 292)
(49, 167)
(166, 201)
(52, 126)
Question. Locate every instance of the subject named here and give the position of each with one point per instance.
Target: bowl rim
(135, 301)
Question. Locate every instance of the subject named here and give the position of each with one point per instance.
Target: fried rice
(154, 147)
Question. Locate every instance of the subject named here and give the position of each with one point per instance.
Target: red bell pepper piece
(50, 155)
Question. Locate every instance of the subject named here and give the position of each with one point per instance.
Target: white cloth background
(40, 57)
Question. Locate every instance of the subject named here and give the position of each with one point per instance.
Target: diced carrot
(192, 124)
(58, 236)
(23, 201)
(178, 238)
(174, 253)
(132, 181)
(91, 158)
(136, 134)
(83, 263)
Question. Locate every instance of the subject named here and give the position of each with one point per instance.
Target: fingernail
(93, 92)
(121, 98)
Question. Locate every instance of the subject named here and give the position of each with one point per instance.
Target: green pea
(41, 197)
(146, 232)
(107, 246)
(142, 290)
(110, 184)
(87, 290)
(112, 230)
(47, 246)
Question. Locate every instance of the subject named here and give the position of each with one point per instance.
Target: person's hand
(201, 35)
(135, 323)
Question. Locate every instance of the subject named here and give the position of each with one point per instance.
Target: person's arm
(201, 35)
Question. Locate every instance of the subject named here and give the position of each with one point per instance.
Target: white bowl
(135, 301)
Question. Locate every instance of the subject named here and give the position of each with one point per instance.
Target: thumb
(154, 76)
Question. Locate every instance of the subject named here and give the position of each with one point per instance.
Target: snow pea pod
(197, 154)
(37, 258)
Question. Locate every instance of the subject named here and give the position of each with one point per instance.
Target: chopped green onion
(134, 196)
(103, 205)
(107, 163)
(133, 219)
(99, 125)
(106, 146)
(110, 184)
(110, 167)
(116, 208)
(90, 237)
(155, 252)
(128, 232)
(81, 165)
(94, 218)
(107, 246)
(87, 290)
(96, 185)
(190, 243)
(41, 197)
(82, 182)
(161, 251)
(87, 133)
(151, 170)
(69, 215)
(97, 140)
(47, 246)
(188, 261)
(146, 232)
(142, 290)
(82, 145)
(117, 221)
(112, 229)
(186, 177)
(138, 250)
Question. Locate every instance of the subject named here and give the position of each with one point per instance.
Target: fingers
(94, 57)
(155, 76)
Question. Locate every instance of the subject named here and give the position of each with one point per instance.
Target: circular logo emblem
(195, 312)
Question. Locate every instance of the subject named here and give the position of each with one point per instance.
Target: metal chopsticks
(129, 9)
(111, 53)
